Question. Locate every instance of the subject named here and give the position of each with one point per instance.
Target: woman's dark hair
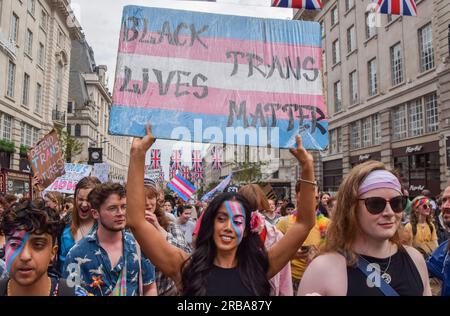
(34, 217)
(252, 260)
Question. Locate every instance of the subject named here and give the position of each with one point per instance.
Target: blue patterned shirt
(87, 261)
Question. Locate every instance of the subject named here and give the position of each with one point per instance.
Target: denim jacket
(439, 266)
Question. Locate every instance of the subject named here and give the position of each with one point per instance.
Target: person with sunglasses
(363, 254)
(421, 230)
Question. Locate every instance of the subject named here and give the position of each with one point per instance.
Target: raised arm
(164, 256)
(282, 252)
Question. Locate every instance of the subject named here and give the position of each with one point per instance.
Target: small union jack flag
(161, 176)
(298, 4)
(196, 160)
(198, 174)
(175, 160)
(397, 7)
(185, 172)
(173, 172)
(155, 159)
(217, 154)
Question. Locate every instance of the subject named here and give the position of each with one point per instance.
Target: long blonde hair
(344, 227)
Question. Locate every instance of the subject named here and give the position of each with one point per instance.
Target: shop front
(419, 166)
(356, 160)
(332, 175)
(15, 182)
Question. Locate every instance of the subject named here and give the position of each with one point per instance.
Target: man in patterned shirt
(107, 262)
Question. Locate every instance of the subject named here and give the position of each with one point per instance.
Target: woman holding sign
(229, 258)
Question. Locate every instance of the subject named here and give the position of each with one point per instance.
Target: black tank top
(225, 282)
(406, 278)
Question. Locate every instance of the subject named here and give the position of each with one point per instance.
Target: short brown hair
(101, 192)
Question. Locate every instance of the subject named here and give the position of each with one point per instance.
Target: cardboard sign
(101, 171)
(152, 174)
(207, 77)
(46, 160)
(68, 182)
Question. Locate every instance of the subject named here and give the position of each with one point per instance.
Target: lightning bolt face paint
(235, 211)
(14, 246)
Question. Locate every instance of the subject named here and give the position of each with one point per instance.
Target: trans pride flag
(191, 71)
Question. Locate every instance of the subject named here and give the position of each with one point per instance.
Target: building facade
(387, 91)
(35, 45)
(88, 110)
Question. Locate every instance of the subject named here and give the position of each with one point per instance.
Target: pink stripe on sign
(217, 102)
(217, 48)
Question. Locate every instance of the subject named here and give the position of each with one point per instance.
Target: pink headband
(379, 179)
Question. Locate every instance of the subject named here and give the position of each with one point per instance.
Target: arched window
(77, 130)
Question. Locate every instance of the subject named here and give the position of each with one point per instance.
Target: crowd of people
(107, 239)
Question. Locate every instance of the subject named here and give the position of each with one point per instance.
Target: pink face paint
(235, 210)
(14, 246)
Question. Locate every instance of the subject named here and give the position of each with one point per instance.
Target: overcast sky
(101, 21)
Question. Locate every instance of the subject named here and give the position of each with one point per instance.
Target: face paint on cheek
(236, 209)
(12, 252)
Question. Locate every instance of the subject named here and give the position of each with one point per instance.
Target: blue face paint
(236, 209)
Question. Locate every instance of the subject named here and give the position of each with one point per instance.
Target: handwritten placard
(73, 174)
(101, 171)
(46, 160)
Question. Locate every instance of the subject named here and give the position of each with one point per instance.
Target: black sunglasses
(376, 205)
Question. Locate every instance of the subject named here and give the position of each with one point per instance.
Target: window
(334, 16)
(35, 137)
(5, 124)
(376, 127)
(29, 43)
(431, 109)
(77, 130)
(371, 29)
(366, 132)
(44, 20)
(337, 97)
(396, 64)
(349, 4)
(61, 39)
(336, 52)
(58, 90)
(372, 74)
(41, 55)
(32, 6)
(1, 13)
(28, 134)
(416, 117)
(339, 139)
(69, 107)
(426, 48)
(322, 28)
(324, 61)
(333, 142)
(14, 32)
(351, 39)
(399, 122)
(38, 107)
(355, 136)
(11, 80)
(69, 129)
(353, 87)
(26, 89)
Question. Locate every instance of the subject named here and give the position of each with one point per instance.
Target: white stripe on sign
(219, 75)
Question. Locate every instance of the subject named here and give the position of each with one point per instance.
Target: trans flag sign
(216, 78)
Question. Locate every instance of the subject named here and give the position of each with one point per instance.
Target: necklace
(386, 276)
(8, 291)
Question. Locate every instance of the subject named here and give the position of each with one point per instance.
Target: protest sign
(207, 77)
(152, 174)
(46, 160)
(68, 182)
(101, 171)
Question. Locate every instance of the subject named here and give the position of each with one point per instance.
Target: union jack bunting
(397, 7)
(198, 174)
(173, 173)
(298, 4)
(196, 160)
(175, 160)
(161, 176)
(155, 159)
(185, 172)
(217, 153)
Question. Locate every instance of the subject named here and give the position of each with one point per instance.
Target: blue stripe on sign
(176, 125)
(180, 194)
(186, 183)
(228, 26)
